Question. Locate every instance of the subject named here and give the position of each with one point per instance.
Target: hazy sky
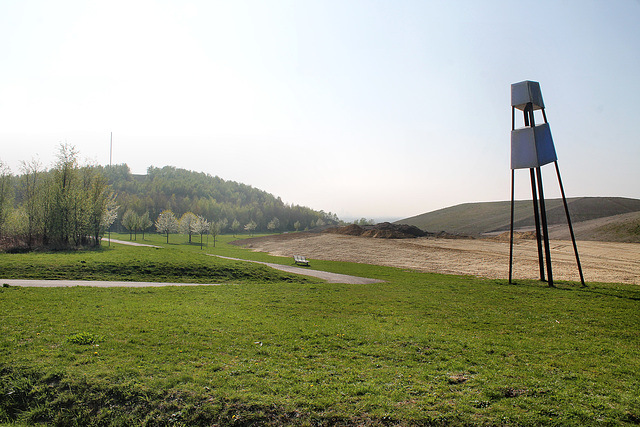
(377, 109)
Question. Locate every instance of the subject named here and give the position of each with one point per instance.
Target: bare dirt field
(601, 261)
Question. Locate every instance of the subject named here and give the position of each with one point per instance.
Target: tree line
(73, 205)
(65, 206)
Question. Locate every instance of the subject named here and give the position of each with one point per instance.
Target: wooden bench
(297, 259)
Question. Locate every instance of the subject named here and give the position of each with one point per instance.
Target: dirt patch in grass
(601, 261)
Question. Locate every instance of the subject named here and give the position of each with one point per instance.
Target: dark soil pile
(384, 230)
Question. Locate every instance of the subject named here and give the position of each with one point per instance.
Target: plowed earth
(601, 261)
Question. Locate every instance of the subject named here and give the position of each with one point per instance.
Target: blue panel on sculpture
(544, 145)
(524, 92)
(523, 149)
(532, 147)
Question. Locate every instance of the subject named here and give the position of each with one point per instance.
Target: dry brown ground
(601, 261)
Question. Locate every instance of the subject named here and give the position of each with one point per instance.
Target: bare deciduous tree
(6, 193)
(32, 187)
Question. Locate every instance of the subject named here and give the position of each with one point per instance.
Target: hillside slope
(212, 197)
(617, 228)
(480, 218)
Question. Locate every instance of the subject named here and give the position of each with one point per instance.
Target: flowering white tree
(214, 230)
(187, 222)
(145, 223)
(200, 226)
(250, 226)
(167, 223)
(274, 224)
(131, 221)
(110, 213)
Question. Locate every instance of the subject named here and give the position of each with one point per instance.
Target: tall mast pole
(110, 156)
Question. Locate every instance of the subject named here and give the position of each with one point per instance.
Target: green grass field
(269, 348)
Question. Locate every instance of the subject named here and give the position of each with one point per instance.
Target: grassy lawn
(269, 348)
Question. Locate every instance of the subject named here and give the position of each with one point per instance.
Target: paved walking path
(130, 243)
(324, 275)
(329, 277)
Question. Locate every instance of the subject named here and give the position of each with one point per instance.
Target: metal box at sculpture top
(531, 146)
(524, 92)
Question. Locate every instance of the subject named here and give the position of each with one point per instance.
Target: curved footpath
(324, 275)
(329, 277)
(129, 243)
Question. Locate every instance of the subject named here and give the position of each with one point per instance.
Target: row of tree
(68, 205)
(189, 223)
(73, 205)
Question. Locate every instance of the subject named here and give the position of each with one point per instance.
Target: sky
(362, 108)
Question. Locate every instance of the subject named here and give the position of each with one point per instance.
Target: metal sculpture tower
(531, 148)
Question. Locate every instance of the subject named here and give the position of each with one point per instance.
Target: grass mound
(139, 264)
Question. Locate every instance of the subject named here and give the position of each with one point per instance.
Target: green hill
(212, 197)
(489, 217)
